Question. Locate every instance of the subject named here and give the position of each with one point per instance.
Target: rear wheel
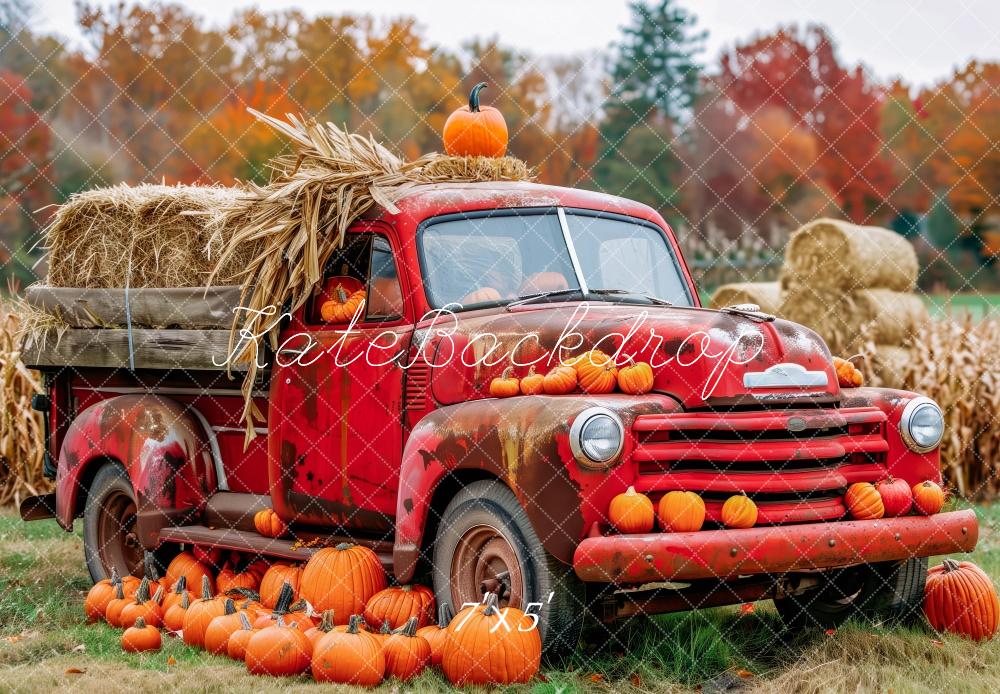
(486, 543)
(890, 591)
(110, 538)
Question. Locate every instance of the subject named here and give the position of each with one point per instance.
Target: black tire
(887, 592)
(491, 504)
(109, 517)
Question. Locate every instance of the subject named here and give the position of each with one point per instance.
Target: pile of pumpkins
(334, 616)
(594, 372)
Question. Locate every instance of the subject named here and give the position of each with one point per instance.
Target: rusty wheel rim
(484, 560)
(118, 542)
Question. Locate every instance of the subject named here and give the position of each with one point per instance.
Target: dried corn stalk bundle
(767, 295)
(833, 256)
(22, 441)
(300, 217)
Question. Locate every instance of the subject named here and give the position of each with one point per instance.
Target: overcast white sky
(920, 40)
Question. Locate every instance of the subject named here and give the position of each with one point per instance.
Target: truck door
(336, 441)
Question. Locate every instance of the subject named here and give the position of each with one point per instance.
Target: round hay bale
(767, 295)
(830, 315)
(838, 256)
(893, 316)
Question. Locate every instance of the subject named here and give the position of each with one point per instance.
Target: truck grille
(795, 464)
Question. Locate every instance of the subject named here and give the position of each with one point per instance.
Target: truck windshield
(501, 257)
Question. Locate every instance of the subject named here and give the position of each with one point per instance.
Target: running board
(243, 541)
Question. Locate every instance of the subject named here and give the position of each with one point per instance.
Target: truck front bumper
(727, 554)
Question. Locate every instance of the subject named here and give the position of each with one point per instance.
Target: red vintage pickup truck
(383, 431)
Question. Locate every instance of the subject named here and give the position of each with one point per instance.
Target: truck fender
(523, 441)
(163, 447)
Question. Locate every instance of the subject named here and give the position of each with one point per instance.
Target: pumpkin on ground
(236, 647)
(475, 130)
(960, 598)
(596, 372)
(200, 614)
(437, 634)
(681, 512)
(352, 656)
(174, 595)
(863, 501)
(406, 653)
(268, 524)
(141, 637)
(739, 511)
(928, 498)
(481, 650)
(184, 564)
(505, 385)
(294, 614)
(100, 594)
(221, 628)
(342, 579)
(635, 378)
(143, 605)
(173, 618)
(631, 512)
(233, 578)
(324, 627)
(395, 605)
(896, 495)
(278, 650)
(561, 380)
(116, 605)
(532, 383)
(276, 576)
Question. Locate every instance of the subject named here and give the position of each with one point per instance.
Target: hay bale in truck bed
(832, 256)
(143, 236)
(767, 295)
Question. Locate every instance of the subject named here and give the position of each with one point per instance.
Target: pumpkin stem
(343, 546)
(950, 565)
(181, 585)
(491, 605)
(119, 590)
(326, 622)
(408, 629)
(140, 623)
(507, 372)
(630, 491)
(244, 622)
(285, 595)
(280, 622)
(115, 578)
(354, 624)
(185, 600)
(206, 588)
(142, 595)
(444, 615)
(474, 97)
(230, 606)
(341, 294)
(298, 606)
(384, 629)
(158, 595)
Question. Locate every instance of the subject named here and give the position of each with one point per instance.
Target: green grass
(43, 641)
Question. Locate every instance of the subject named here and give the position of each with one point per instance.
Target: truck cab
(380, 429)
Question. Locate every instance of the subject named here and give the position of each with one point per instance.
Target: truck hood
(700, 357)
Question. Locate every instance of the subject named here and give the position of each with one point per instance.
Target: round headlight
(921, 425)
(597, 436)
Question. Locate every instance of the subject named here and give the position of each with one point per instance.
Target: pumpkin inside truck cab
(660, 456)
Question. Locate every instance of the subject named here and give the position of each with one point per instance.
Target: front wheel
(890, 591)
(485, 542)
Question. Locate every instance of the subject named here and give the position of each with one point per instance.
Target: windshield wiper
(544, 295)
(618, 292)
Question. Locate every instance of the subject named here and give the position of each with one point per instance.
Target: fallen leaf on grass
(831, 632)
(744, 674)
(635, 680)
(75, 671)
(12, 639)
(171, 660)
(596, 677)
(746, 608)
(939, 644)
